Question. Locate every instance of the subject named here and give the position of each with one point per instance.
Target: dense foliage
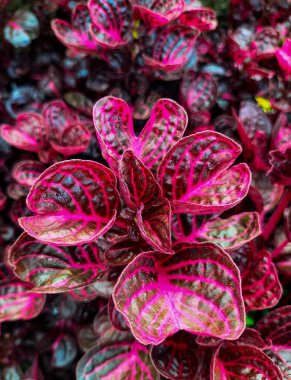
(145, 159)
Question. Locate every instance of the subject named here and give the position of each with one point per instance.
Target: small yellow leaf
(264, 104)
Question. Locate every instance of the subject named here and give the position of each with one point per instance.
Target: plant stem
(276, 252)
(276, 216)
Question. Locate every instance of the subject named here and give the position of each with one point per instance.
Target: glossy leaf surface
(75, 201)
(52, 269)
(194, 176)
(233, 232)
(160, 295)
(203, 19)
(121, 360)
(16, 302)
(114, 128)
(29, 133)
(26, 172)
(111, 21)
(232, 362)
(158, 13)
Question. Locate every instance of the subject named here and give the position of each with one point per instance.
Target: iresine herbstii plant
(155, 215)
(156, 240)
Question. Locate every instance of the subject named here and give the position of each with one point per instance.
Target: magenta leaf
(203, 19)
(67, 134)
(198, 93)
(26, 172)
(276, 326)
(114, 128)
(195, 175)
(154, 225)
(137, 183)
(177, 357)
(283, 56)
(124, 251)
(30, 132)
(111, 22)
(233, 232)
(76, 35)
(244, 362)
(17, 302)
(161, 294)
(52, 269)
(172, 49)
(116, 318)
(74, 201)
(158, 13)
(127, 359)
(260, 283)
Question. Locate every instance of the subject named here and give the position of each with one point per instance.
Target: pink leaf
(260, 283)
(75, 201)
(112, 19)
(194, 176)
(76, 35)
(114, 128)
(26, 172)
(203, 19)
(233, 232)
(52, 269)
(172, 48)
(244, 362)
(30, 132)
(158, 13)
(197, 290)
(283, 56)
(67, 134)
(154, 225)
(198, 93)
(17, 302)
(127, 359)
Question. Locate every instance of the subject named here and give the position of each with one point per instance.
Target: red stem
(276, 216)
(276, 252)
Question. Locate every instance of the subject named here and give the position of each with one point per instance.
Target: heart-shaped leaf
(52, 269)
(75, 201)
(198, 93)
(111, 19)
(172, 48)
(178, 357)
(203, 19)
(26, 172)
(30, 132)
(260, 283)
(243, 362)
(127, 359)
(77, 34)
(233, 232)
(197, 290)
(17, 302)
(194, 176)
(67, 134)
(158, 13)
(114, 128)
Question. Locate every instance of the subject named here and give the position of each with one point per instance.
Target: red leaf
(75, 201)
